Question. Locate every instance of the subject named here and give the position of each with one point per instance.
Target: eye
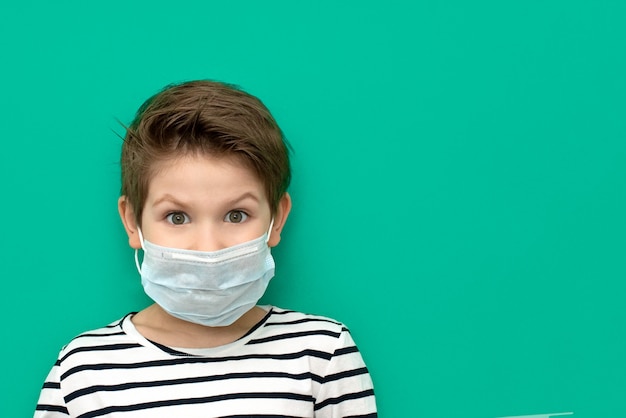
(177, 218)
(236, 216)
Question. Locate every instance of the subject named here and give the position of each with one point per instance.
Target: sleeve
(51, 403)
(346, 390)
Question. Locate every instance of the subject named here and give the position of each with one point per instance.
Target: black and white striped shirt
(289, 365)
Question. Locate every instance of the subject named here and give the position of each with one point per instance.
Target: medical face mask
(211, 288)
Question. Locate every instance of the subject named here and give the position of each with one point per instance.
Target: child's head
(203, 118)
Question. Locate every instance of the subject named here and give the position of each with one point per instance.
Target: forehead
(198, 174)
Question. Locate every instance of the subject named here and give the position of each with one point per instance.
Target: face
(204, 203)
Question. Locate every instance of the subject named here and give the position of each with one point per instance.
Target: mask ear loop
(137, 251)
(269, 231)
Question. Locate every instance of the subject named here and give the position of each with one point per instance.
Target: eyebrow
(247, 195)
(168, 198)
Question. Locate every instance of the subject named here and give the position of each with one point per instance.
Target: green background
(459, 184)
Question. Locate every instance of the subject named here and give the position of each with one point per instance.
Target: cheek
(234, 235)
(154, 232)
(239, 237)
(173, 239)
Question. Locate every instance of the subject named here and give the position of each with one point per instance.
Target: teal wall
(459, 184)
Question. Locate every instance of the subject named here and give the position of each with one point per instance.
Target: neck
(155, 324)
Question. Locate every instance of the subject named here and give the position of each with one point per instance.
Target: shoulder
(295, 320)
(109, 337)
(292, 329)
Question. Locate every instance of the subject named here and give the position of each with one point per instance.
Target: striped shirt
(289, 365)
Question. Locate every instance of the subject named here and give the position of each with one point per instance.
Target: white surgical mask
(211, 288)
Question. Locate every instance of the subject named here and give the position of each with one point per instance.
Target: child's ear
(282, 212)
(130, 223)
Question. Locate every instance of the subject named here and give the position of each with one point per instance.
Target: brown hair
(209, 118)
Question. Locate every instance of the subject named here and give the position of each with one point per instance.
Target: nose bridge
(208, 238)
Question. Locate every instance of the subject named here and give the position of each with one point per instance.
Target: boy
(205, 171)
